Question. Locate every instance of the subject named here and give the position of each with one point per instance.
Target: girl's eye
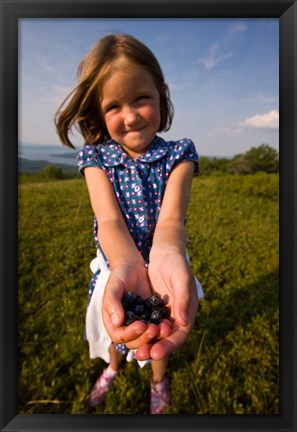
(110, 108)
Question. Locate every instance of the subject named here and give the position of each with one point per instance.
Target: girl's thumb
(116, 319)
(112, 303)
(181, 305)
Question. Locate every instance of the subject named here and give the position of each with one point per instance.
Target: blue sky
(223, 76)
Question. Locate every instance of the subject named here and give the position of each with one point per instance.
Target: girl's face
(130, 105)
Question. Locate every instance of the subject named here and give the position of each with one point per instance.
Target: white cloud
(227, 131)
(61, 91)
(215, 56)
(218, 51)
(237, 29)
(269, 120)
(177, 86)
(261, 99)
(54, 95)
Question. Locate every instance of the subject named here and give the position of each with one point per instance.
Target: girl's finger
(112, 306)
(143, 353)
(124, 334)
(151, 333)
(166, 346)
(165, 329)
(182, 301)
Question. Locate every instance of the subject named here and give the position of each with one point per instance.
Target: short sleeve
(89, 156)
(184, 150)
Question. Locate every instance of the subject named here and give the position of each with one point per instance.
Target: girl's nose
(131, 116)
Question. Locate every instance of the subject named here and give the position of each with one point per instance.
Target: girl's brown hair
(81, 108)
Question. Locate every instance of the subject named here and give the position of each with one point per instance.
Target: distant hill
(34, 166)
(69, 155)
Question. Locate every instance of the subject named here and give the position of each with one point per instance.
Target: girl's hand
(123, 278)
(171, 277)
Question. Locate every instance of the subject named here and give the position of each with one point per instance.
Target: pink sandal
(159, 396)
(101, 387)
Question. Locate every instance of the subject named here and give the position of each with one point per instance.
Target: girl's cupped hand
(171, 277)
(123, 278)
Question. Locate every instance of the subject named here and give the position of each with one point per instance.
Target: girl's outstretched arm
(128, 271)
(113, 234)
(169, 270)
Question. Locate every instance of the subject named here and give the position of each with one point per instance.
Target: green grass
(229, 365)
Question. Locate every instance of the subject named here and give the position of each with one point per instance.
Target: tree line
(263, 158)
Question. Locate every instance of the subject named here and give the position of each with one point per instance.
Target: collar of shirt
(113, 154)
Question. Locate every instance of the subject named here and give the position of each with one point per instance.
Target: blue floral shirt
(139, 183)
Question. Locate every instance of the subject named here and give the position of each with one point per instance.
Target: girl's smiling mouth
(135, 130)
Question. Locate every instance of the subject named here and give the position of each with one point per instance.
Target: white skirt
(96, 334)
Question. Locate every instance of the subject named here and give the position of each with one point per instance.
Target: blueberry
(152, 309)
(155, 317)
(130, 317)
(147, 304)
(139, 309)
(124, 303)
(130, 297)
(165, 312)
(155, 299)
(162, 303)
(147, 315)
(139, 300)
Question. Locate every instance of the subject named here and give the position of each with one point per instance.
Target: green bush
(53, 172)
(262, 158)
(258, 159)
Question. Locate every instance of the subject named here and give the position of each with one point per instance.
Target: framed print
(42, 277)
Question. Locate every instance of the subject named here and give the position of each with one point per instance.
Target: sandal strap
(159, 396)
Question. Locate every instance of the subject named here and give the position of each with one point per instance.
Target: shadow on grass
(221, 314)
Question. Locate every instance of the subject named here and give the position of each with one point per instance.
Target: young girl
(139, 187)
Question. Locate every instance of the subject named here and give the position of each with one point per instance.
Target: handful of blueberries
(149, 310)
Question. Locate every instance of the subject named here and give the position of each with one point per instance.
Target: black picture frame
(11, 12)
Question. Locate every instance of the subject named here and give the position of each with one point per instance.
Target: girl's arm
(170, 234)
(169, 270)
(128, 271)
(113, 233)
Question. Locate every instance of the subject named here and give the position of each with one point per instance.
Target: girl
(139, 187)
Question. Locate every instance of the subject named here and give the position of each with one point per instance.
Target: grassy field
(230, 362)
